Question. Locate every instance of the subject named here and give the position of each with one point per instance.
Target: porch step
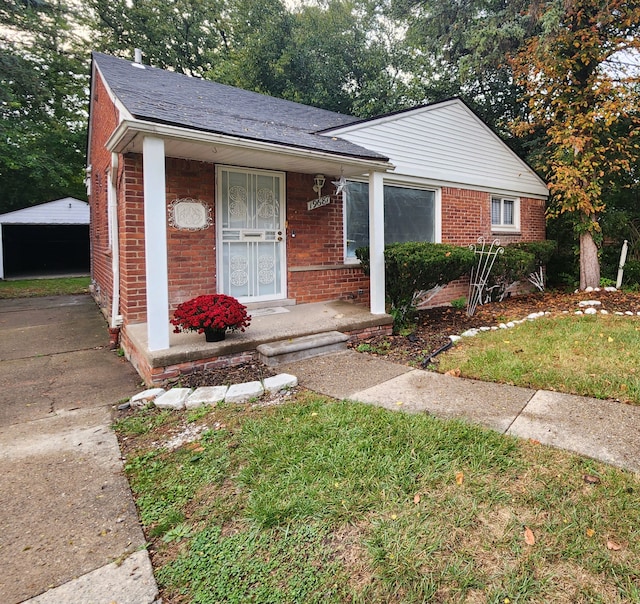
(305, 347)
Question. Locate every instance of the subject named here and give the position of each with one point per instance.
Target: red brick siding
(466, 216)
(318, 233)
(133, 292)
(318, 242)
(192, 254)
(104, 119)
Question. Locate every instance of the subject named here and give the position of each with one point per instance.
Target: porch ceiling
(215, 148)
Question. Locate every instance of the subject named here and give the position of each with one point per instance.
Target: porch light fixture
(318, 183)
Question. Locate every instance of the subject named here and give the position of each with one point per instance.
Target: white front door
(251, 237)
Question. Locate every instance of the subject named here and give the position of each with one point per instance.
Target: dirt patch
(225, 376)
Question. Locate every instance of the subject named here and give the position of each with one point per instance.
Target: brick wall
(104, 119)
(133, 296)
(191, 254)
(466, 216)
(315, 255)
(318, 243)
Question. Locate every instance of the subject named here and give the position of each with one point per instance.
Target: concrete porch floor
(268, 324)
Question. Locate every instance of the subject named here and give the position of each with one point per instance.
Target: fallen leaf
(394, 516)
(590, 532)
(529, 537)
(613, 546)
(416, 498)
(609, 339)
(459, 478)
(453, 372)
(399, 403)
(590, 479)
(533, 441)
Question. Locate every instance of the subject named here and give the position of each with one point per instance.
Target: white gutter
(127, 129)
(112, 204)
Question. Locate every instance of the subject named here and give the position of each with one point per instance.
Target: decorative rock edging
(188, 398)
(587, 305)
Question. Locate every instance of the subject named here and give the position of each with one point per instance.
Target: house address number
(318, 203)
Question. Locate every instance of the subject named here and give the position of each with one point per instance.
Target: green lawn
(28, 288)
(317, 500)
(597, 356)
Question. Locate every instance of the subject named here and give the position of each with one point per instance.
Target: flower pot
(213, 335)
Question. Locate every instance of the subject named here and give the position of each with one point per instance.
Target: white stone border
(188, 398)
(588, 306)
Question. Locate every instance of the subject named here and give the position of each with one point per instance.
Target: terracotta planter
(214, 335)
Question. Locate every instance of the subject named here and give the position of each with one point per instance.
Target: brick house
(197, 187)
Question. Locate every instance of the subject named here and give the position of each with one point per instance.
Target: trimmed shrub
(542, 251)
(517, 263)
(413, 268)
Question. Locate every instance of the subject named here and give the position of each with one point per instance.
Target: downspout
(116, 318)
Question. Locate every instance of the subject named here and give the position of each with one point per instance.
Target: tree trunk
(589, 263)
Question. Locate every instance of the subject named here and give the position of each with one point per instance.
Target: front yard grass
(29, 288)
(317, 500)
(589, 355)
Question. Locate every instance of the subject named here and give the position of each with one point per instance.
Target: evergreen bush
(413, 268)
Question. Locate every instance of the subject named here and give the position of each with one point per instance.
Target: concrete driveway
(65, 506)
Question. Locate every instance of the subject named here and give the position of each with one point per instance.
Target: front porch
(188, 352)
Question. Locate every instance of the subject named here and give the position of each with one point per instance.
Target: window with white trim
(409, 215)
(505, 214)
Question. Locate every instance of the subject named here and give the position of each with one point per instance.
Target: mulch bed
(435, 325)
(433, 328)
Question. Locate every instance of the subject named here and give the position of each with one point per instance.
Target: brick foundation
(154, 376)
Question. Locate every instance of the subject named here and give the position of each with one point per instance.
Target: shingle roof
(170, 98)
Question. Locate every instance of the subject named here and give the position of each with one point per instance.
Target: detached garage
(45, 240)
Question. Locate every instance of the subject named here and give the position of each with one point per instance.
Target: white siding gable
(62, 211)
(447, 143)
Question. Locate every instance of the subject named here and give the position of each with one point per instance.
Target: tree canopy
(553, 77)
(43, 81)
(581, 91)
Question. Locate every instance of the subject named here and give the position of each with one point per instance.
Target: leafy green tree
(461, 48)
(582, 93)
(335, 54)
(188, 36)
(43, 79)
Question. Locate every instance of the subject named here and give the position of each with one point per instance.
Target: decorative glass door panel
(251, 246)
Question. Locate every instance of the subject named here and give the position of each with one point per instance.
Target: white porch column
(376, 242)
(155, 243)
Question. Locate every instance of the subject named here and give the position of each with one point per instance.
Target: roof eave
(129, 129)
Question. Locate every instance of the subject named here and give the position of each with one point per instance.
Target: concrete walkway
(66, 511)
(605, 430)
